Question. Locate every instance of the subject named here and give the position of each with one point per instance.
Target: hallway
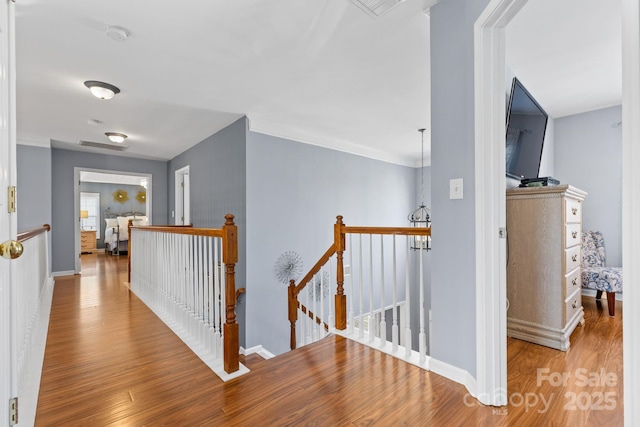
(110, 361)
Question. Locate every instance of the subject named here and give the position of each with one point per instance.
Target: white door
(8, 221)
(182, 211)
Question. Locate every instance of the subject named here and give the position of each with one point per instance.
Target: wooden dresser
(87, 241)
(544, 227)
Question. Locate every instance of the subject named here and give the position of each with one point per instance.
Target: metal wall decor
(120, 196)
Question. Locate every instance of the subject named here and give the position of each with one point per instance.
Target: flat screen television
(526, 127)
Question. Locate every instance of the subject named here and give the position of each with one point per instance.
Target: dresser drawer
(572, 305)
(571, 258)
(572, 235)
(573, 211)
(572, 281)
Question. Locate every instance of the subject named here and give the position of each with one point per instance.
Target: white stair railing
(183, 274)
(377, 271)
(31, 305)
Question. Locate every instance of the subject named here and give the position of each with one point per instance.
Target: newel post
(231, 331)
(341, 298)
(293, 312)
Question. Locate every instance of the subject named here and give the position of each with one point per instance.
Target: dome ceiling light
(116, 137)
(101, 90)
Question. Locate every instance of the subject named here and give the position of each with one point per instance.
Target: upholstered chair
(595, 273)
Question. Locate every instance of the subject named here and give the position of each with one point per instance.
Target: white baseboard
(454, 374)
(592, 293)
(63, 273)
(265, 354)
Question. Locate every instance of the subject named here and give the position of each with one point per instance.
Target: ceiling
(321, 72)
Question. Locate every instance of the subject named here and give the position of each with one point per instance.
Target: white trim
(287, 132)
(182, 195)
(42, 143)
(76, 203)
(261, 351)
(456, 374)
(630, 207)
(63, 273)
(489, 83)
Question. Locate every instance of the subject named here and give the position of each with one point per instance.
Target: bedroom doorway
(183, 193)
(118, 192)
(489, 87)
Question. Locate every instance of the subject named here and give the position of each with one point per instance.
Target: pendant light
(421, 217)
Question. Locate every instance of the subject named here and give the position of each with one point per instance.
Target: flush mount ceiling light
(116, 137)
(101, 90)
(117, 33)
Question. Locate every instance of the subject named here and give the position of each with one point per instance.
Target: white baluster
(306, 317)
(330, 319)
(350, 296)
(314, 297)
(383, 322)
(371, 317)
(394, 323)
(360, 290)
(407, 299)
(322, 333)
(422, 335)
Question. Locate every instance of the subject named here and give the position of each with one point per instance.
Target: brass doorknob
(11, 249)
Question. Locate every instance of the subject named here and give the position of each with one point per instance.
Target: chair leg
(611, 303)
(598, 294)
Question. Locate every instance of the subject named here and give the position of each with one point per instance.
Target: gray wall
(62, 182)
(452, 152)
(588, 154)
(106, 191)
(294, 192)
(217, 173)
(33, 186)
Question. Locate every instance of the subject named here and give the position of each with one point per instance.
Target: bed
(116, 232)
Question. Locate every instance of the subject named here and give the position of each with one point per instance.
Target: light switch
(455, 188)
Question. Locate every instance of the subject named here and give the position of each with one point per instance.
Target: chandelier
(421, 217)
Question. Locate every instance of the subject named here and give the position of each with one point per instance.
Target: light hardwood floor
(110, 361)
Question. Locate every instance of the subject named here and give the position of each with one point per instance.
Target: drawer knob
(574, 304)
(574, 234)
(574, 282)
(574, 258)
(574, 211)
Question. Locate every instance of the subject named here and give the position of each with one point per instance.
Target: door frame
(182, 214)
(76, 202)
(490, 189)
(490, 175)
(8, 221)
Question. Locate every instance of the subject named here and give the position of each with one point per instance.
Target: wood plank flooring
(110, 361)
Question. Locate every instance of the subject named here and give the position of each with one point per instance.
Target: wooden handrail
(402, 231)
(23, 236)
(322, 261)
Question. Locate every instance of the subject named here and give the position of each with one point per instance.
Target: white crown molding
(44, 143)
(270, 128)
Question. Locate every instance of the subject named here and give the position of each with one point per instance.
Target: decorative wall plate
(142, 196)
(120, 196)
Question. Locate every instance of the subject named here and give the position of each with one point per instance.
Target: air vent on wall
(106, 146)
(376, 8)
